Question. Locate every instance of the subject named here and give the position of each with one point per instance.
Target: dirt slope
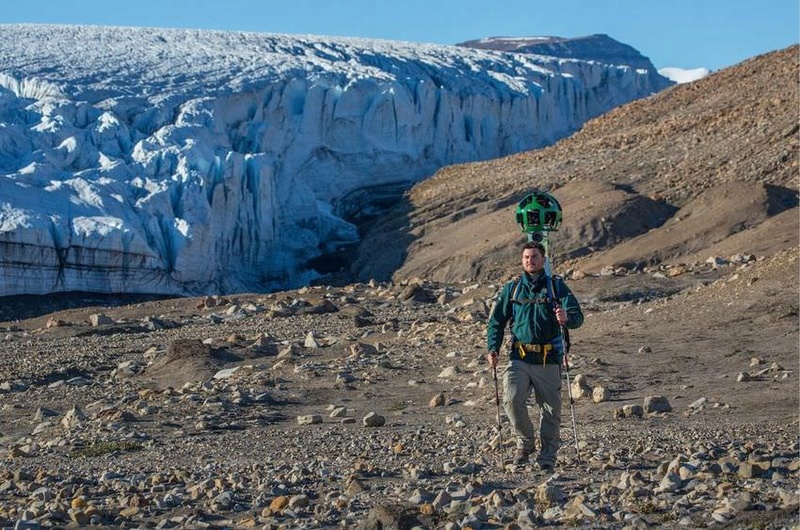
(691, 171)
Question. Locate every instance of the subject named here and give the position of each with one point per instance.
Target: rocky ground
(371, 406)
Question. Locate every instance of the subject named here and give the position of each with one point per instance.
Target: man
(535, 356)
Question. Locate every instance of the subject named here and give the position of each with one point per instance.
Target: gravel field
(371, 406)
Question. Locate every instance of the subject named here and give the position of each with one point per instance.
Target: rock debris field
(371, 406)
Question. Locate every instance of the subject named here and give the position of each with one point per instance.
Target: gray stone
(100, 319)
(373, 419)
(656, 404)
(309, 419)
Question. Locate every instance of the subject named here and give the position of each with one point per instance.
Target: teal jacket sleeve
(499, 316)
(568, 301)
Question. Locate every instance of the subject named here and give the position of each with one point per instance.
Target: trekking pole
(499, 424)
(551, 294)
(569, 386)
(571, 402)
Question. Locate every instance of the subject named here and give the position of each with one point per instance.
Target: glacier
(186, 162)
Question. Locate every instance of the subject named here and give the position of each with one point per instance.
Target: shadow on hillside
(780, 199)
(22, 307)
(385, 240)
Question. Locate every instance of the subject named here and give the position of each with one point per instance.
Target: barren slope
(700, 168)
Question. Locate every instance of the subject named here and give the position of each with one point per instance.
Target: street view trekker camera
(538, 212)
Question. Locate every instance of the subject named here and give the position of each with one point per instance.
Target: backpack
(514, 298)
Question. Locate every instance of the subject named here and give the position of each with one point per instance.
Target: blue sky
(673, 33)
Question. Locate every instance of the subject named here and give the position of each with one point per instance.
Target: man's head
(533, 255)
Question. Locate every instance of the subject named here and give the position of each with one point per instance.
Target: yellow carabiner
(545, 350)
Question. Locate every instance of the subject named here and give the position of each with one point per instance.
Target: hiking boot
(545, 467)
(520, 457)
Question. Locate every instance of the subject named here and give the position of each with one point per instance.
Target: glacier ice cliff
(186, 162)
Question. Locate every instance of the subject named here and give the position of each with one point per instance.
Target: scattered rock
(374, 419)
(100, 319)
(309, 419)
(438, 400)
(600, 394)
(656, 404)
(580, 387)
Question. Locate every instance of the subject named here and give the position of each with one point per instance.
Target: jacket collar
(533, 279)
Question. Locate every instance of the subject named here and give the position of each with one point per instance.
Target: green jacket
(531, 313)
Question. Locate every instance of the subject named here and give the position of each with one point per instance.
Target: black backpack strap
(567, 342)
(513, 298)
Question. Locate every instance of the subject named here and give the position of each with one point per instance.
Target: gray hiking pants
(545, 381)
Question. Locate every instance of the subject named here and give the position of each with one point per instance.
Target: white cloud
(684, 75)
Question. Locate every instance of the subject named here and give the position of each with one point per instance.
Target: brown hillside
(698, 169)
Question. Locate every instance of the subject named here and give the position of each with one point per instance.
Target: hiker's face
(532, 260)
